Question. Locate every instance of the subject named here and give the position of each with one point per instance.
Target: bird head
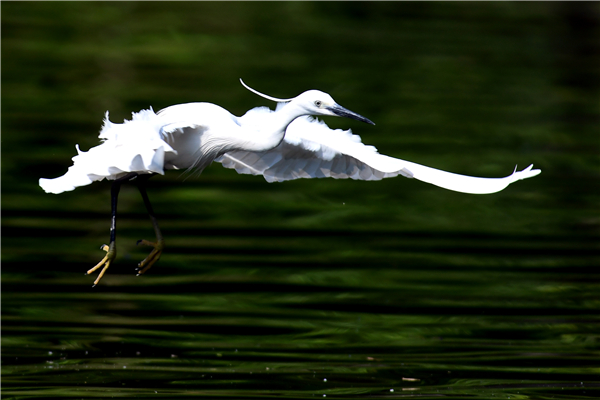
(315, 102)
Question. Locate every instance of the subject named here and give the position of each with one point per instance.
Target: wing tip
(528, 172)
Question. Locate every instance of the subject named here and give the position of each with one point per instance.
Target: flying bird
(288, 143)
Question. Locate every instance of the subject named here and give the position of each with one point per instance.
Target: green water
(310, 288)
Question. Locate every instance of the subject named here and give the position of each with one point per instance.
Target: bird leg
(111, 249)
(156, 252)
(111, 254)
(159, 245)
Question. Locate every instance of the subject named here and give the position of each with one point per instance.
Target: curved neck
(269, 133)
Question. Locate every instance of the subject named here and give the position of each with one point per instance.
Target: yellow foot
(153, 257)
(111, 254)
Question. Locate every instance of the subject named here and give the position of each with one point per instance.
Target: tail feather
(65, 183)
(134, 146)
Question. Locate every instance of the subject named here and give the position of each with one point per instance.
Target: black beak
(344, 112)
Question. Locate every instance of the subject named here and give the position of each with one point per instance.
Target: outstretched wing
(311, 149)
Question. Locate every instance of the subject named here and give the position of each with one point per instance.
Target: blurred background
(309, 287)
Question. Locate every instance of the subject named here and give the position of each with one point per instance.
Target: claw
(111, 254)
(153, 257)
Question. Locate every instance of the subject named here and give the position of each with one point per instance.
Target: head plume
(264, 95)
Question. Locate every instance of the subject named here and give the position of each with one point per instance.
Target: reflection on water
(317, 288)
(447, 318)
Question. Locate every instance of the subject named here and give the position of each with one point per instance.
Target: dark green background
(265, 290)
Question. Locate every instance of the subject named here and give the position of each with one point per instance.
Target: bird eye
(318, 103)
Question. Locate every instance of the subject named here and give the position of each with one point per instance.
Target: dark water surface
(311, 288)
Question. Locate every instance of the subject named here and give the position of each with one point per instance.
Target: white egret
(284, 144)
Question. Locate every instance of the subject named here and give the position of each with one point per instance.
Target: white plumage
(280, 145)
(135, 145)
(196, 134)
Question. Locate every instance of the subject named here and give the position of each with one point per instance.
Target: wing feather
(311, 149)
(133, 146)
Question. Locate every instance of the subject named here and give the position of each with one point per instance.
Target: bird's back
(149, 143)
(198, 132)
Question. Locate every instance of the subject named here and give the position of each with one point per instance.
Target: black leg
(159, 245)
(111, 249)
(141, 182)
